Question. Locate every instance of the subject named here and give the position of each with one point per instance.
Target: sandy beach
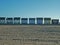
(29, 34)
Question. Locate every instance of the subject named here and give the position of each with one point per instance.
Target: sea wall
(29, 34)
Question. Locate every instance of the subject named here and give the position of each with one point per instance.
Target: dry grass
(29, 35)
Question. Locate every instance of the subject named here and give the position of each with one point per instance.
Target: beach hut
(39, 20)
(31, 20)
(47, 20)
(16, 20)
(9, 20)
(24, 20)
(2, 20)
(55, 21)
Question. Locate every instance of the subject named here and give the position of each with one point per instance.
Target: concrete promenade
(29, 34)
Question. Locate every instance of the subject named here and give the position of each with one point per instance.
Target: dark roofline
(31, 18)
(9, 18)
(39, 18)
(47, 18)
(16, 18)
(2, 18)
(24, 18)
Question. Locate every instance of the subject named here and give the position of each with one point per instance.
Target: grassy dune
(29, 34)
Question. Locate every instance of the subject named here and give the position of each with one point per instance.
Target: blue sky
(30, 8)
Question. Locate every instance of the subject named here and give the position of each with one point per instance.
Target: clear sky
(30, 8)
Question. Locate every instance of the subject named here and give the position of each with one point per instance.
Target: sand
(29, 34)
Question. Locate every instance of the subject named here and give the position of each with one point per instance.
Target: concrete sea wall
(29, 34)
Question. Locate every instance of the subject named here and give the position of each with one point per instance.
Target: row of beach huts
(18, 20)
